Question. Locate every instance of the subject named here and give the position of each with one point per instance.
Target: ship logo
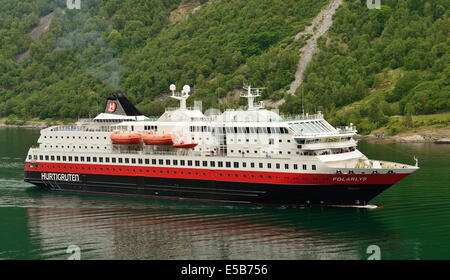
(112, 107)
(60, 177)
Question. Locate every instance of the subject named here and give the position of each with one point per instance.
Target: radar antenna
(182, 96)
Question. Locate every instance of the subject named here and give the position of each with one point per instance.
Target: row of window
(162, 172)
(245, 130)
(74, 147)
(271, 140)
(73, 137)
(257, 130)
(151, 127)
(167, 162)
(322, 140)
(242, 152)
(113, 120)
(194, 128)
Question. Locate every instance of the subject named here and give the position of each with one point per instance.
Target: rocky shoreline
(30, 126)
(416, 138)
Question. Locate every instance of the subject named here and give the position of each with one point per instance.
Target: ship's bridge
(315, 126)
(312, 125)
(315, 136)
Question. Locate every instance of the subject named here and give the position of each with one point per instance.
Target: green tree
(376, 114)
(116, 40)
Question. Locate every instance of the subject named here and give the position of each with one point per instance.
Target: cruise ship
(250, 156)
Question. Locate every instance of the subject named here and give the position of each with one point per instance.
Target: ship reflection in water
(133, 228)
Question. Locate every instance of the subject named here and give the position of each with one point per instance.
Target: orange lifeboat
(126, 138)
(157, 139)
(185, 145)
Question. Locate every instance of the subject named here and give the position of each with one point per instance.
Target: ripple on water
(12, 165)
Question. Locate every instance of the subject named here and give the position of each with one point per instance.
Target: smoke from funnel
(104, 67)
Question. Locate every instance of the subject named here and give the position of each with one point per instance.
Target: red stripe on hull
(220, 175)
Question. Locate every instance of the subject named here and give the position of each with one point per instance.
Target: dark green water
(414, 222)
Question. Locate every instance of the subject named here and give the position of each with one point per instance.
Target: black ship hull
(212, 190)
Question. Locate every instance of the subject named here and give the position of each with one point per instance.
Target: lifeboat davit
(185, 145)
(126, 138)
(157, 139)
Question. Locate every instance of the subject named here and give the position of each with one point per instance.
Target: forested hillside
(394, 60)
(370, 65)
(132, 46)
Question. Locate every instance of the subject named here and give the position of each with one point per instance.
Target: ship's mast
(251, 94)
